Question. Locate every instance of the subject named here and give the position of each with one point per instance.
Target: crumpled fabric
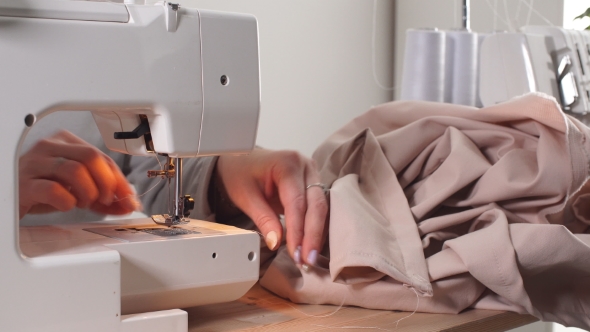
(469, 208)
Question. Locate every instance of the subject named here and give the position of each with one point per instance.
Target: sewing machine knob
(188, 205)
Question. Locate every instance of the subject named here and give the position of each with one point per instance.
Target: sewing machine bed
(161, 268)
(260, 310)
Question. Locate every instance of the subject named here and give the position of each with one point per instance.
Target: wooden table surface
(260, 310)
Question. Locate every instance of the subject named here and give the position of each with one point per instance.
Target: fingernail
(271, 240)
(297, 255)
(132, 203)
(312, 257)
(137, 204)
(108, 200)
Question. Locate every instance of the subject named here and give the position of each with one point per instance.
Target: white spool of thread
(423, 75)
(462, 67)
(480, 38)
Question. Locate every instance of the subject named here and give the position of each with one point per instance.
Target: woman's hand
(266, 183)
(63, 171)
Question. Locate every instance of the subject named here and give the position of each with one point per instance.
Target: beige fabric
(470, 208)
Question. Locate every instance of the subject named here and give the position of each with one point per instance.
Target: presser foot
(167, 220)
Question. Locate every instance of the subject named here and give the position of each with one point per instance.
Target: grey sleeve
(153, 192)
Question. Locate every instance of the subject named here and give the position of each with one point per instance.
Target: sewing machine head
(157, 78)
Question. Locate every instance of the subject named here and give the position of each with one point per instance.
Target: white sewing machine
(544, 59)
(161, 78)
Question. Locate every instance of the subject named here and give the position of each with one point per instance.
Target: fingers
(249, 193)
(66, 145)
(87, 175)
(258, 181)
(315, 228)
(305, 208)
(266, 220)
(76, 178)
(116, 208)
(289, 178)
(126, 200)
(43, 194)
(313, 222)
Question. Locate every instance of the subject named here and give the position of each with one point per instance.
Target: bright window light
(573, 8)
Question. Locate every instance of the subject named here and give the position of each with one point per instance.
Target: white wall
(486, 16)
(316, 64)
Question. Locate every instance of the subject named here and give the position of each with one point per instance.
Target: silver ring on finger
(324, 188)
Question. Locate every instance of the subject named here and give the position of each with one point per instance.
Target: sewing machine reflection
(158, 79)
